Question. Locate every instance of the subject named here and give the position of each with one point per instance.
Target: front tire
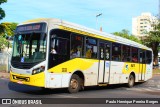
(131, 81)
(74, 85)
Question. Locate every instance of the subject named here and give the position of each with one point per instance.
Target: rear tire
(131, 81)
(75, 84)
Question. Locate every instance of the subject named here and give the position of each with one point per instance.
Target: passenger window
(126, 53)
(116, 52)
(134, 54)
(148, 57)
(91, 48)
(76, 46)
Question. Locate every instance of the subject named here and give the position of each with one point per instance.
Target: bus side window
(91, 48)
(142, 55)
(134, 54)
(148, 57)
(125, 53)
(116, 52)
(76, 46)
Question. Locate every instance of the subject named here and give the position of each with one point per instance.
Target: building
(141, 25)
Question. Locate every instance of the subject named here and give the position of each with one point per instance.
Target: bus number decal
(132, 65)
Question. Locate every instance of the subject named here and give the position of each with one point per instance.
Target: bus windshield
(29, 48)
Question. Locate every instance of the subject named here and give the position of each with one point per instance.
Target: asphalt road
(149, 89)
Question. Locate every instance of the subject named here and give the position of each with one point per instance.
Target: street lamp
(97, 18)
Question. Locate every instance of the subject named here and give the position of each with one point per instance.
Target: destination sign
(30, 27)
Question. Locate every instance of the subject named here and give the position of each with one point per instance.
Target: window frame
(120, 53)
(85, 47)
(82, 44)
(151, 58)
(137, 58)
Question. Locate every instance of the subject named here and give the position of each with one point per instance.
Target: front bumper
(33, 80)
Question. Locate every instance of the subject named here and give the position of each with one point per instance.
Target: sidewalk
(4, 74)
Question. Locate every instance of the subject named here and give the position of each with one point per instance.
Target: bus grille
(21, 78)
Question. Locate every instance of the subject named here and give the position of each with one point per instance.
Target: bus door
(142, 65)
(104, 62)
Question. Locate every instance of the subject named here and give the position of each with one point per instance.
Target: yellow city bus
(52, 53)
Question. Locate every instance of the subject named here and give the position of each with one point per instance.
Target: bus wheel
(131, 81)
(81, 84)
(74, 85)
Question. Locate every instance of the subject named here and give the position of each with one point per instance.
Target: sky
(116, 14)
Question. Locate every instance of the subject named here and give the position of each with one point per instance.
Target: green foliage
(153, 39)
(2, 1)
(125, 34)
(2, 13)
(7, 29)
(153, 36)
(1, 29)
(3, 43)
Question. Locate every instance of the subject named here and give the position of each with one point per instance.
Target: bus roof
(99, 34)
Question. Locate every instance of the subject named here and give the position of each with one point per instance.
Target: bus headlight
(38, 70)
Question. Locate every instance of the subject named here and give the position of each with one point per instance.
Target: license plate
(19, 82)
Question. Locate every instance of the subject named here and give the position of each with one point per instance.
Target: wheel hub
(74, 83)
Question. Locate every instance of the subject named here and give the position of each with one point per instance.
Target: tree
(125, 34)
(153, 39)
(3, 43)
(2, 13)
(2, 28)
(6, 29)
